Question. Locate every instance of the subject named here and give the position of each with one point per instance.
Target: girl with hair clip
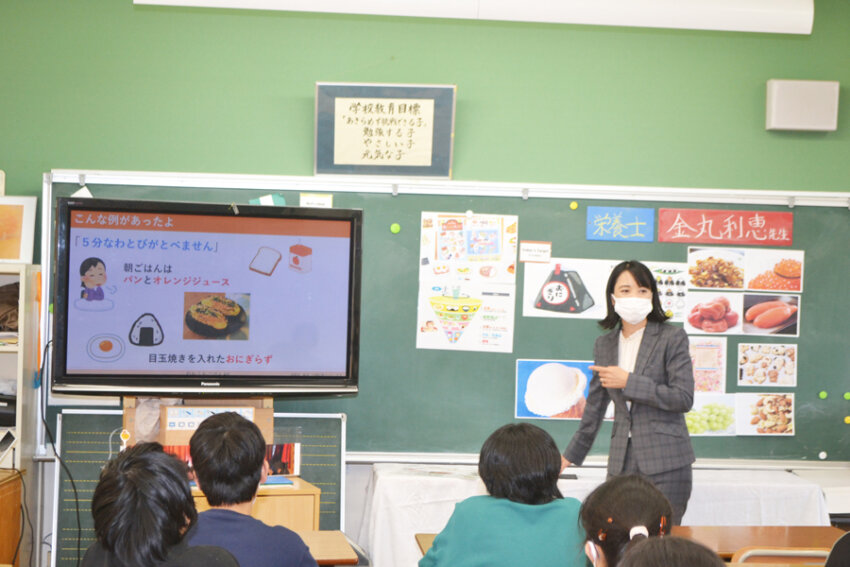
(524, 520)
(670, 552)
(642, 366)
(620, 512)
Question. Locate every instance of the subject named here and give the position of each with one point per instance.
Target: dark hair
(619, 504)
(521, 462)
(671, 552)
(142, 505)
(90, 263)
(227, 455)
(644, 278)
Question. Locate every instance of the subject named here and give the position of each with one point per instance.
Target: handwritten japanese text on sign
(622, 224)
(763, 228)
(383, 131)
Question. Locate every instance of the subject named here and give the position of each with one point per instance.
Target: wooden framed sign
(380, 129)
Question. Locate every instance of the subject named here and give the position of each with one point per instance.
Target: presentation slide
(197, 294)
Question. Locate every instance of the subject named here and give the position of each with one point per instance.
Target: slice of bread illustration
(265, 261)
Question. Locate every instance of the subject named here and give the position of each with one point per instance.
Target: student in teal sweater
(525, 520)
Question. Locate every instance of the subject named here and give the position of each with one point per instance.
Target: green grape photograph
(712, 414)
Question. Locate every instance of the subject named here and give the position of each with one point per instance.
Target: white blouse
(627, 352)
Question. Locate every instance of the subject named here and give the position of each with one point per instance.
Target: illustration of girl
(92, 276)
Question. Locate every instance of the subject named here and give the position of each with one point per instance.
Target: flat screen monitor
(173, 298)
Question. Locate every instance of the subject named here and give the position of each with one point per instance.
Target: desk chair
(767, 554)
(840, 554)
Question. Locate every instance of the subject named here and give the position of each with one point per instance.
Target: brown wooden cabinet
(10, 515)
(295, 506)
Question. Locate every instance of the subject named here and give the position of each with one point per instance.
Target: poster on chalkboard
(552, 389)
(384, 129)
(746, 269)
(467, 282)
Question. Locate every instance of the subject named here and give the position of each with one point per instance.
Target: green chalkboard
(87, 439)
(441, 401)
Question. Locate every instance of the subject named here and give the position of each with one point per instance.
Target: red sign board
(710, 226)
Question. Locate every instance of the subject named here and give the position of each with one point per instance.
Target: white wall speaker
(802, 105)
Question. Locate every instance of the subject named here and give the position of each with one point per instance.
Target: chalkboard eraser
(568, 476)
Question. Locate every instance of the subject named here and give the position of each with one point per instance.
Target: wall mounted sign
(621, 224)
(377, 129)
(763, 228)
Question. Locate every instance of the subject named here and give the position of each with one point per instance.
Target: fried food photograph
(215, 316)
(716, 272)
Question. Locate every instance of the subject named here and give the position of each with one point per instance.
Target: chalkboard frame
(332, 505)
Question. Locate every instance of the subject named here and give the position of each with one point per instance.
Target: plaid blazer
(661, 390)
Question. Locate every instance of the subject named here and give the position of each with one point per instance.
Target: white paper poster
(574, 288)
(763, 364)
(755, 269)
(708, 356)
(671, 279)
(736, 313)
(467, 282)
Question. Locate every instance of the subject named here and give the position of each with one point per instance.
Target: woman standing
(644, 367)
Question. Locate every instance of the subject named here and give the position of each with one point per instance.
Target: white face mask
(632, 310)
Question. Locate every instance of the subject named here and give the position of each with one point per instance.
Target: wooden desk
(10, 514)
(329, 547)
(425, 541)
(295, 506)
(726, 540)
(730, 564)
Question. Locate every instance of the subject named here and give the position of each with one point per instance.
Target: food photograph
(771, 315)
(721, 268)
(554, 389)
(780, 270)
(712, 415)
(215, 316)
(767, 364)
(713, 313)
(764, 414)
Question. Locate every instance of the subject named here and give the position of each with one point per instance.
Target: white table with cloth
(406, 499)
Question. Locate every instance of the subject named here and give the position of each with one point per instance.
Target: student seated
(524, 520)
(669, 551)
(142, 506)
(839, 556)
(228, 457)
(619, 512)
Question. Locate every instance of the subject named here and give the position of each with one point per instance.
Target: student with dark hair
(839, 555)
(619, 512)
(228, 457)
(142, 507)
(670, 551)
(643, 366)
(524, 520)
